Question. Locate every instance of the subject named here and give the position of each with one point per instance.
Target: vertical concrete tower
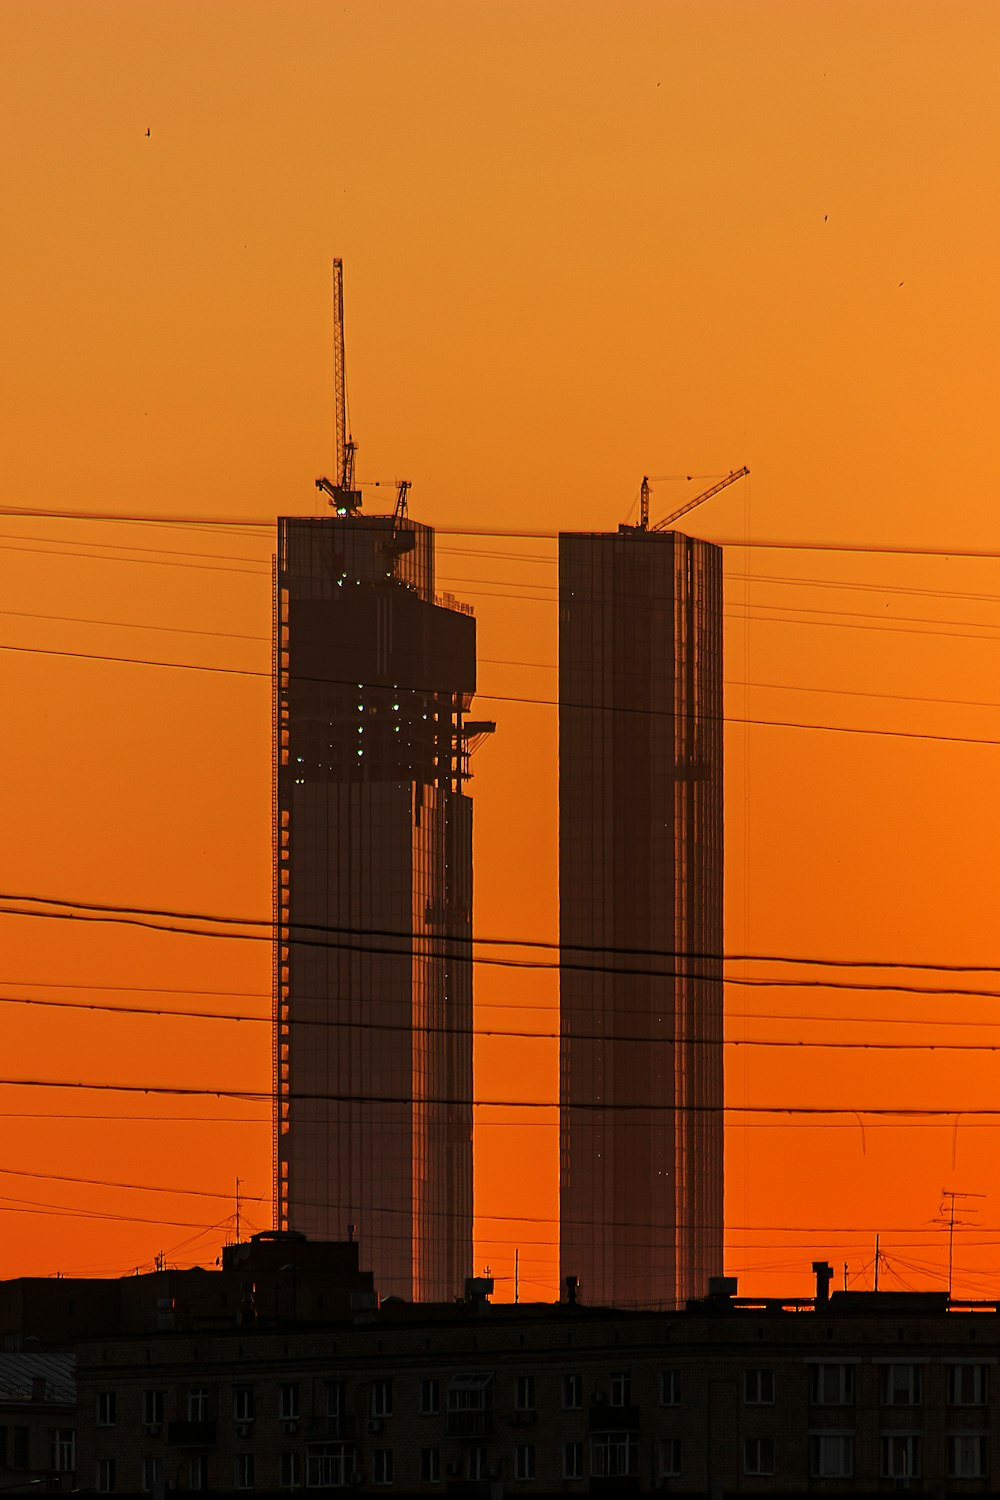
(640, 888)
(373, 900)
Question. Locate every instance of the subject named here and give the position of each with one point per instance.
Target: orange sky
(583, 241)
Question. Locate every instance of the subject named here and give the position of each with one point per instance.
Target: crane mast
(342, 494)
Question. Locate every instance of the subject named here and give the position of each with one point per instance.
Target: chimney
(572, 1282)
(823, 1272)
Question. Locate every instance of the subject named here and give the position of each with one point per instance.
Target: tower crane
(341, 492)
(675, 515)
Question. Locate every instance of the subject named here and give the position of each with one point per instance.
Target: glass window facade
(640, 891)
(373, 901)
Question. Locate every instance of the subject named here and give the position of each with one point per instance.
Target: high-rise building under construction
(373, 899)
(640, 891)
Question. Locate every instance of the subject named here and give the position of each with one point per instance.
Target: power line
(496, 1032)
(452, 946)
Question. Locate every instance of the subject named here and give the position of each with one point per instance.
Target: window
(668, 1457)
(288, 1402)
(244, 1406)
(477, 1463)
(430, 1398)
(105, 1475)
(381, 1398)
(430, 1465)
(152, 1408)
(832, 1455)
(329, 1465)
(152, 1473)
(968, 1455)
(900, 1385)
(614, 1455)
(670, 1387)
(968, 1385)
(524, 1393)
(21, 1448)
(198, 1472)
(572, 1464)
(572, 1392)
(832, 1385)
(524, 1461)
(621, 1388)
(291, 1471)
(198, 1405)
(243, 1471)
(758, 1455)
(900, 1455)
(758, 1388)
(382, 1466)
(107, 1408)
(62, 1450)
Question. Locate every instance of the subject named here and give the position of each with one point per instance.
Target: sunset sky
(583, 242)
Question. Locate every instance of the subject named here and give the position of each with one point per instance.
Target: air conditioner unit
(375, 1424)
(291, 1425)
(598, 1399)
(244, 1429)
(152, 1429)
(493, 1473)
(454, 1466)
(357, 1478)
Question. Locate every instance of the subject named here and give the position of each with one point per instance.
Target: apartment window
(290, 1471)
(524, 1393)
(107, 1408)
(668, 1457)
(152, 1408)
(621, 1388)
(198, 1405)
(832, 1455)
(832, 1385)
(572, 1392)
(382, 1466)
(381, 1398)
(968, 1385)
(329, 1465)
(670, 1387)
(430, 1398)
(758, 1455)
(288, 1402)
(900, 1455)
(614, 1455)
(62, 1450)
(152, 1473)
(758, 1388)
(477, 1463)
(572, 1463)
(430, 1465)
(900, 1385)
(968, 1455)
(198, 1472)
(524, 1461)
(243, 1471)
(106, 1475)
(244, 1406)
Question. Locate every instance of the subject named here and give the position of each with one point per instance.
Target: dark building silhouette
(373, 900)
(640, 890)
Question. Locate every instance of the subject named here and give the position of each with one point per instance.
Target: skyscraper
(640, 892)
(373, 900)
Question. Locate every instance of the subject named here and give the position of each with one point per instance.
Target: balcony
(191, 1434)
(606, 1418)
(470, 1424)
